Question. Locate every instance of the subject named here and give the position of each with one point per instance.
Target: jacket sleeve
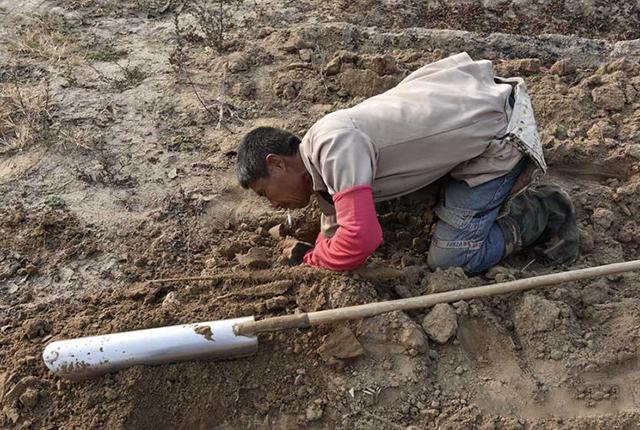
(358, 234)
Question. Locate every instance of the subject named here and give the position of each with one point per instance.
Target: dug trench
(131, 180)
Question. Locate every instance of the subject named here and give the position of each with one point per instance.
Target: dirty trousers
(466, 234)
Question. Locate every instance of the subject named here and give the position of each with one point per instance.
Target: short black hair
(251, 164)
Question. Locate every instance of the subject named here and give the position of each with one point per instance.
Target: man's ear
(275, 163)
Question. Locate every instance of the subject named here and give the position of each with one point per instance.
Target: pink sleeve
(357, 236)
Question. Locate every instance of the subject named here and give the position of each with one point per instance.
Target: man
(450, 118)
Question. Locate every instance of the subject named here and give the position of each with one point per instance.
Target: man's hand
(294, 250)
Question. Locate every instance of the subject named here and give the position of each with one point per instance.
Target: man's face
(284, 188)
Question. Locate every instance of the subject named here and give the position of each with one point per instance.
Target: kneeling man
(450, 118)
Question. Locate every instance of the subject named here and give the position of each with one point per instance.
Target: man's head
(269, 163)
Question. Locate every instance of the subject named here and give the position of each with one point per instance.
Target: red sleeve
(357, 236)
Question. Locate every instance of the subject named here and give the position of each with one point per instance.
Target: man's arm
(358, 234)
(346, 160)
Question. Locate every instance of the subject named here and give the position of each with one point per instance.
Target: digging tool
(92, 356)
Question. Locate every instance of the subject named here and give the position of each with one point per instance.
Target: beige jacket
(449, 117)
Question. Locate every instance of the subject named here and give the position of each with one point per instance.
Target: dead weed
(44, 36)
(27, 118)
(26, 115)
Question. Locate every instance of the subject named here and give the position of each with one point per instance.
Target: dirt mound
(130, 180)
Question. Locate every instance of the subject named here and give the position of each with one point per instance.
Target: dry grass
(26, 115)
(96, 8)
(44, 37)
(129, 77)
(27, 119)
(72, 137)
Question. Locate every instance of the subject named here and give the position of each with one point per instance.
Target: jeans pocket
(456, 217)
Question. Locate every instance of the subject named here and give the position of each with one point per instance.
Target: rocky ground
(118, 125)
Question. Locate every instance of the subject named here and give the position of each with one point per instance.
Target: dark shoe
(559, 241)
(543, 219)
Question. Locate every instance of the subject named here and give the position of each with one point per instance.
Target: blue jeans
(466, 233)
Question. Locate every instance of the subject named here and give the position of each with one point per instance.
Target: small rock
(413, 338)
(420, 244)
(403, 291)
(295, 250)
(366, 83)
(172, 173)
(110, 394)
(602, 218)
(601, 129)
(415, 275)
(306, 54)
(520, 67)
(609, 97)
(587, 242)
(556, 355)
(171, 300)
(341, 344)
(535, 314)
(461, 307)
(334, 65)
(19, 389)
(563, 67)
(395, 329)
(37, 328)
(277, 231)
(314, 411)
(449, 279)
(408, 260)
(381, 64)
(12, 414)
(296, 43)
(30, 398)
(430, 413)
(597, 291)
(441, 323)
(230, 251)
(237, 62)
(255, 258)
(500, 274)
(459, 370)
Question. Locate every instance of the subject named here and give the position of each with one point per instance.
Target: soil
(116, 168)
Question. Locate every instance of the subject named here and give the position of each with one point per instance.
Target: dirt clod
(441, 323)
(119, 129)
(341, 344)
(255, 258)
(602, 218)
(535, 314)
(204, 331)
(609, 97)
(314, 411)
(277, 231)
(520, 67)
(562, 67)
(29, 399)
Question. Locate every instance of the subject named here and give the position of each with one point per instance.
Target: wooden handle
(371, 309)
(272, 324)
